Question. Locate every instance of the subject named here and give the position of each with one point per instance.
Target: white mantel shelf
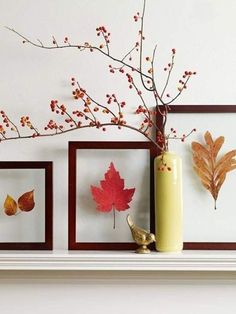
(119, 261)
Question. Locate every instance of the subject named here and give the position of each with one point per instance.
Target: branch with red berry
(90, 112)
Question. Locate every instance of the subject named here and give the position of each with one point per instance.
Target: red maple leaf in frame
(112, 195)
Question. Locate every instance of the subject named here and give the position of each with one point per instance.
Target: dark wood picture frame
(73, 147)
(48, 167)
(207, 109)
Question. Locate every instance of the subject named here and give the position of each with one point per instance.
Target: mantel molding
(119, 261)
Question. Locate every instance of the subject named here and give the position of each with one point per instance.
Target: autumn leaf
(10, 206)
(212, 172)
(26, 201)
(112, 195)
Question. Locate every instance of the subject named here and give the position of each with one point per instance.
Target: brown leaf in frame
(26, 201)
(10, 206)
(212, 172)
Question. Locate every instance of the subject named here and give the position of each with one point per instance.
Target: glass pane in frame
(88, 162)
(204, 226)
(26, 202)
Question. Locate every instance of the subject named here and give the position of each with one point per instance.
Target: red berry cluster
(141, 109)
(173, 131)
(115, 120)
(130, 80)
(53, 105)
(136, 17)
(168, 67)
(112, 69)
(52, 125)
(56, 108)
(101, 30)
(77, 93)
(112, 98)
(63, 109)
(25, 121)
(66, 40)
(72, 81)
(5, 119)
(78, 113)
(186, 75)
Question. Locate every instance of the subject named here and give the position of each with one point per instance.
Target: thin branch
(152, 65)
(128, 53)
(106, 43)
(15, 127)
(3, 135)
(40, 42)
(80, 127)
(169, 74)
(141, 48)
(179, 137)
(90, 111)
(81, 47)
(180, 92)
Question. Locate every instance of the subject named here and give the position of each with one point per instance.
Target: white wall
(202, 31)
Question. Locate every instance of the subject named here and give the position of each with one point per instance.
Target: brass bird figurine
(140, 236)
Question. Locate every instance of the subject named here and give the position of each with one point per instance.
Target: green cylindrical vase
(168, 203)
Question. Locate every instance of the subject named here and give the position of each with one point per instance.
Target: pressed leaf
(112, 195)
(212, 172)
(10, 206)
(26, 201)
